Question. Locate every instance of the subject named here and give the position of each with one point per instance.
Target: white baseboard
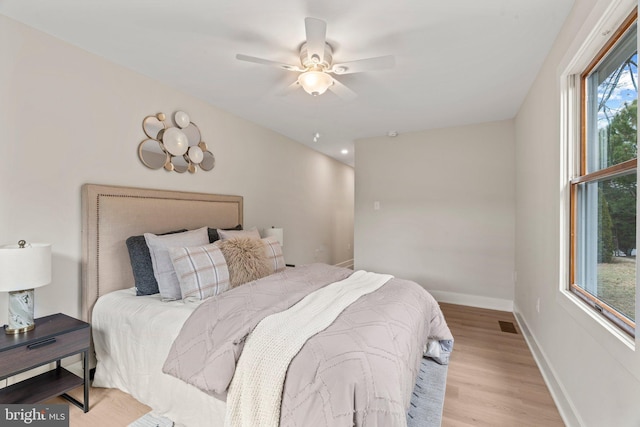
(473, 300)
(346, 264)
(567, 412)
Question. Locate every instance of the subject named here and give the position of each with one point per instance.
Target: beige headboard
(112, 214)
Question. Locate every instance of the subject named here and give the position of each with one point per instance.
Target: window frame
(584, 176)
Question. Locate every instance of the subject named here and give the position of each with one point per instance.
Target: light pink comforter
(359, 371)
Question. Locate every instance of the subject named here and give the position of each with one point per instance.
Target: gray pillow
(141, 265)
(163, 270)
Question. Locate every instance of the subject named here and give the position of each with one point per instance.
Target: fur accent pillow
(246, 259)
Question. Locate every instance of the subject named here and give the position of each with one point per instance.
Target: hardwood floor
(108, 407)
(492, 378)
(492, 381)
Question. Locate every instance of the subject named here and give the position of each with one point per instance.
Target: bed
(136, 338)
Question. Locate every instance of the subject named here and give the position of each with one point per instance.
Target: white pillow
(230, 234)
(202, 271)
(275, 258)
(163, 270)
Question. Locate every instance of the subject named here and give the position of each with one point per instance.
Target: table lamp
(23, 267)
(278, 233)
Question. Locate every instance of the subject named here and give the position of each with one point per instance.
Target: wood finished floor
(492, 381)
(492, 378)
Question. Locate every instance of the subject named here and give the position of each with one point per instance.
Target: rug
(427, 400)
(151, 420)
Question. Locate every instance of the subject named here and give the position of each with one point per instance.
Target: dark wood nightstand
(54, 338)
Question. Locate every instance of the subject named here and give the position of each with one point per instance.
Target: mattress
(132, 337)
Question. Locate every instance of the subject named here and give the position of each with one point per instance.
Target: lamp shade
(278, 233)
(24, 268)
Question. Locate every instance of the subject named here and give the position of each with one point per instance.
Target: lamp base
(20, 312)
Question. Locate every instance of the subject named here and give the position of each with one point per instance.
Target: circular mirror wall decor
(208, 161)
(176, 148)
(182, 119)
(195, 154)
(193, 134)
(180, 164)
(152, 126)
(152, 154)
(175, 141)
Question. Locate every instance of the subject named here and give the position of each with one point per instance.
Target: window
(604, 192)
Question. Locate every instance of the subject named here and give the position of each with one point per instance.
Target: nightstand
(54, 338)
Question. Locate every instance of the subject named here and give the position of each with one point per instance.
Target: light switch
(376, 205)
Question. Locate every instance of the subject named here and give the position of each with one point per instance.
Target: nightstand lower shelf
(42, 387)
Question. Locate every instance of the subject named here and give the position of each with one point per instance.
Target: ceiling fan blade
(316, 30)
(342, 91)
(287, 90)
(360, 65)
(268, 62)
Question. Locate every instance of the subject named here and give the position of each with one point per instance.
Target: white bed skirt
(132, 336)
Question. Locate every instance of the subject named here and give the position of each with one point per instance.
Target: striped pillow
(202, 271)
(275, 258)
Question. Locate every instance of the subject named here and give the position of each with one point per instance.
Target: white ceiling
(457, 61)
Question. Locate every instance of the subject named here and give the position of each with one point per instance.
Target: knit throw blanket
(255, 394)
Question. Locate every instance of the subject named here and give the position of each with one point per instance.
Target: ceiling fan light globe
(315, 82)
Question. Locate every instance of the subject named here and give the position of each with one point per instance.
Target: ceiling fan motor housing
(309, 63)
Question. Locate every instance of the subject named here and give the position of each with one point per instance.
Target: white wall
(594, 376)
(447, 211)
(69, 117)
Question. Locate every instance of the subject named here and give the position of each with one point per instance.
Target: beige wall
(593, 375)
(69, 117)
(446, 217)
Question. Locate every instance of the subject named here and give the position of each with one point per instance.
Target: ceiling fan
(316, 67)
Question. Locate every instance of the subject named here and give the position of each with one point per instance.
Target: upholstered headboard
(110, 215)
